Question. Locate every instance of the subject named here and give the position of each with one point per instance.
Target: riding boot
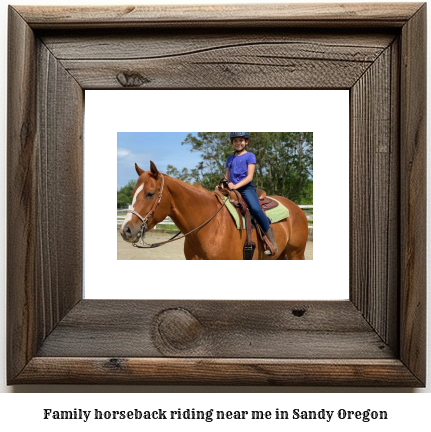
(271, 238)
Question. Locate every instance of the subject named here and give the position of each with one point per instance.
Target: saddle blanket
(276, 214)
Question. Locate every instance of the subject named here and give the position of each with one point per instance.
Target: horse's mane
(197, 187)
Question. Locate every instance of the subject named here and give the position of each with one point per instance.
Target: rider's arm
(226, 177)
(248, 179)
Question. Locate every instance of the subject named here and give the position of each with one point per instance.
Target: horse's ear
(154, 169)
(138, 170)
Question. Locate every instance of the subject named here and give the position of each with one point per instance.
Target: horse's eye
(150, 194)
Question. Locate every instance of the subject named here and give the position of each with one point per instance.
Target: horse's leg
(296, 245)
(283, 235)
(296, 256)
(189, 253)
(283, 256)
(191, 256)
(292, 253)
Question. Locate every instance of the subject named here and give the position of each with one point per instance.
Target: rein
(141, 242)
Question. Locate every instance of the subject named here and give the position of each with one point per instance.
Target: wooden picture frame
(376, 338)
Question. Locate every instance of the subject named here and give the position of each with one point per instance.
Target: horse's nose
(126, 231)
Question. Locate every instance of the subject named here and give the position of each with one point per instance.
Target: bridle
(141, 235)
(149, 215)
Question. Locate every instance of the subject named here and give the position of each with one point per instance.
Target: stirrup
(248, 251)
(270, 241)
(270, 250)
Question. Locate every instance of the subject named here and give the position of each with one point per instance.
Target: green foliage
(284, 162)
(124, 194)
(214, 148)
(184, 175)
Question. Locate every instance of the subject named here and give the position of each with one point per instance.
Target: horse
(158, 195)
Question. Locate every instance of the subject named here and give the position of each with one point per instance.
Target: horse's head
(146, 197)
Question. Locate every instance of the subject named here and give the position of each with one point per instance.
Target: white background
(24, 410)
(325, 113)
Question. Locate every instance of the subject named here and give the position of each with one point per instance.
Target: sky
(163, 148)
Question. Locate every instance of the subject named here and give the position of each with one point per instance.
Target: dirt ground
(171, 251)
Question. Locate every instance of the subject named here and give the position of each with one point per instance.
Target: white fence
(121, 217)
(308, 210)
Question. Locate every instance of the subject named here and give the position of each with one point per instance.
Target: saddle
(265, 202)
(237, 201)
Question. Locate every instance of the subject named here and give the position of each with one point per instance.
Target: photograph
(249, 195)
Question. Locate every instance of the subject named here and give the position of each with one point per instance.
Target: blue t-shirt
(238, 166)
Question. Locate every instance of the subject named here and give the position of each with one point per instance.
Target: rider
(239, 172)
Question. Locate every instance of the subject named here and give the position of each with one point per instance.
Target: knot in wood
(178, 329)
(115, 363)
(131, 79)
(298, 312)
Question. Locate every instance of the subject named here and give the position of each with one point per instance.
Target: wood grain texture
(45, 187)
(373, 195)
(392, 303)
(413, 194)
(59, 183)
(226, 329)
(140, 44)
(250, 60)
(197, 371)
(204, 59)
(376, 338)
(299, 14)
(21, 195)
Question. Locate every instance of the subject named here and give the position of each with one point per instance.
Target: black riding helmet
(245, 135)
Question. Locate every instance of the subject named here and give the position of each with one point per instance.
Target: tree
(184, 175)
(124, 194)
(214, 148)
(284, 162)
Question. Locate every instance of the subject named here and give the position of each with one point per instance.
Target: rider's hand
(231, 186)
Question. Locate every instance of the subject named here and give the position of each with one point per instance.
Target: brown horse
(158, 195)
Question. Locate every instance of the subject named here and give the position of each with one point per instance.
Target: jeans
(248, 192)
